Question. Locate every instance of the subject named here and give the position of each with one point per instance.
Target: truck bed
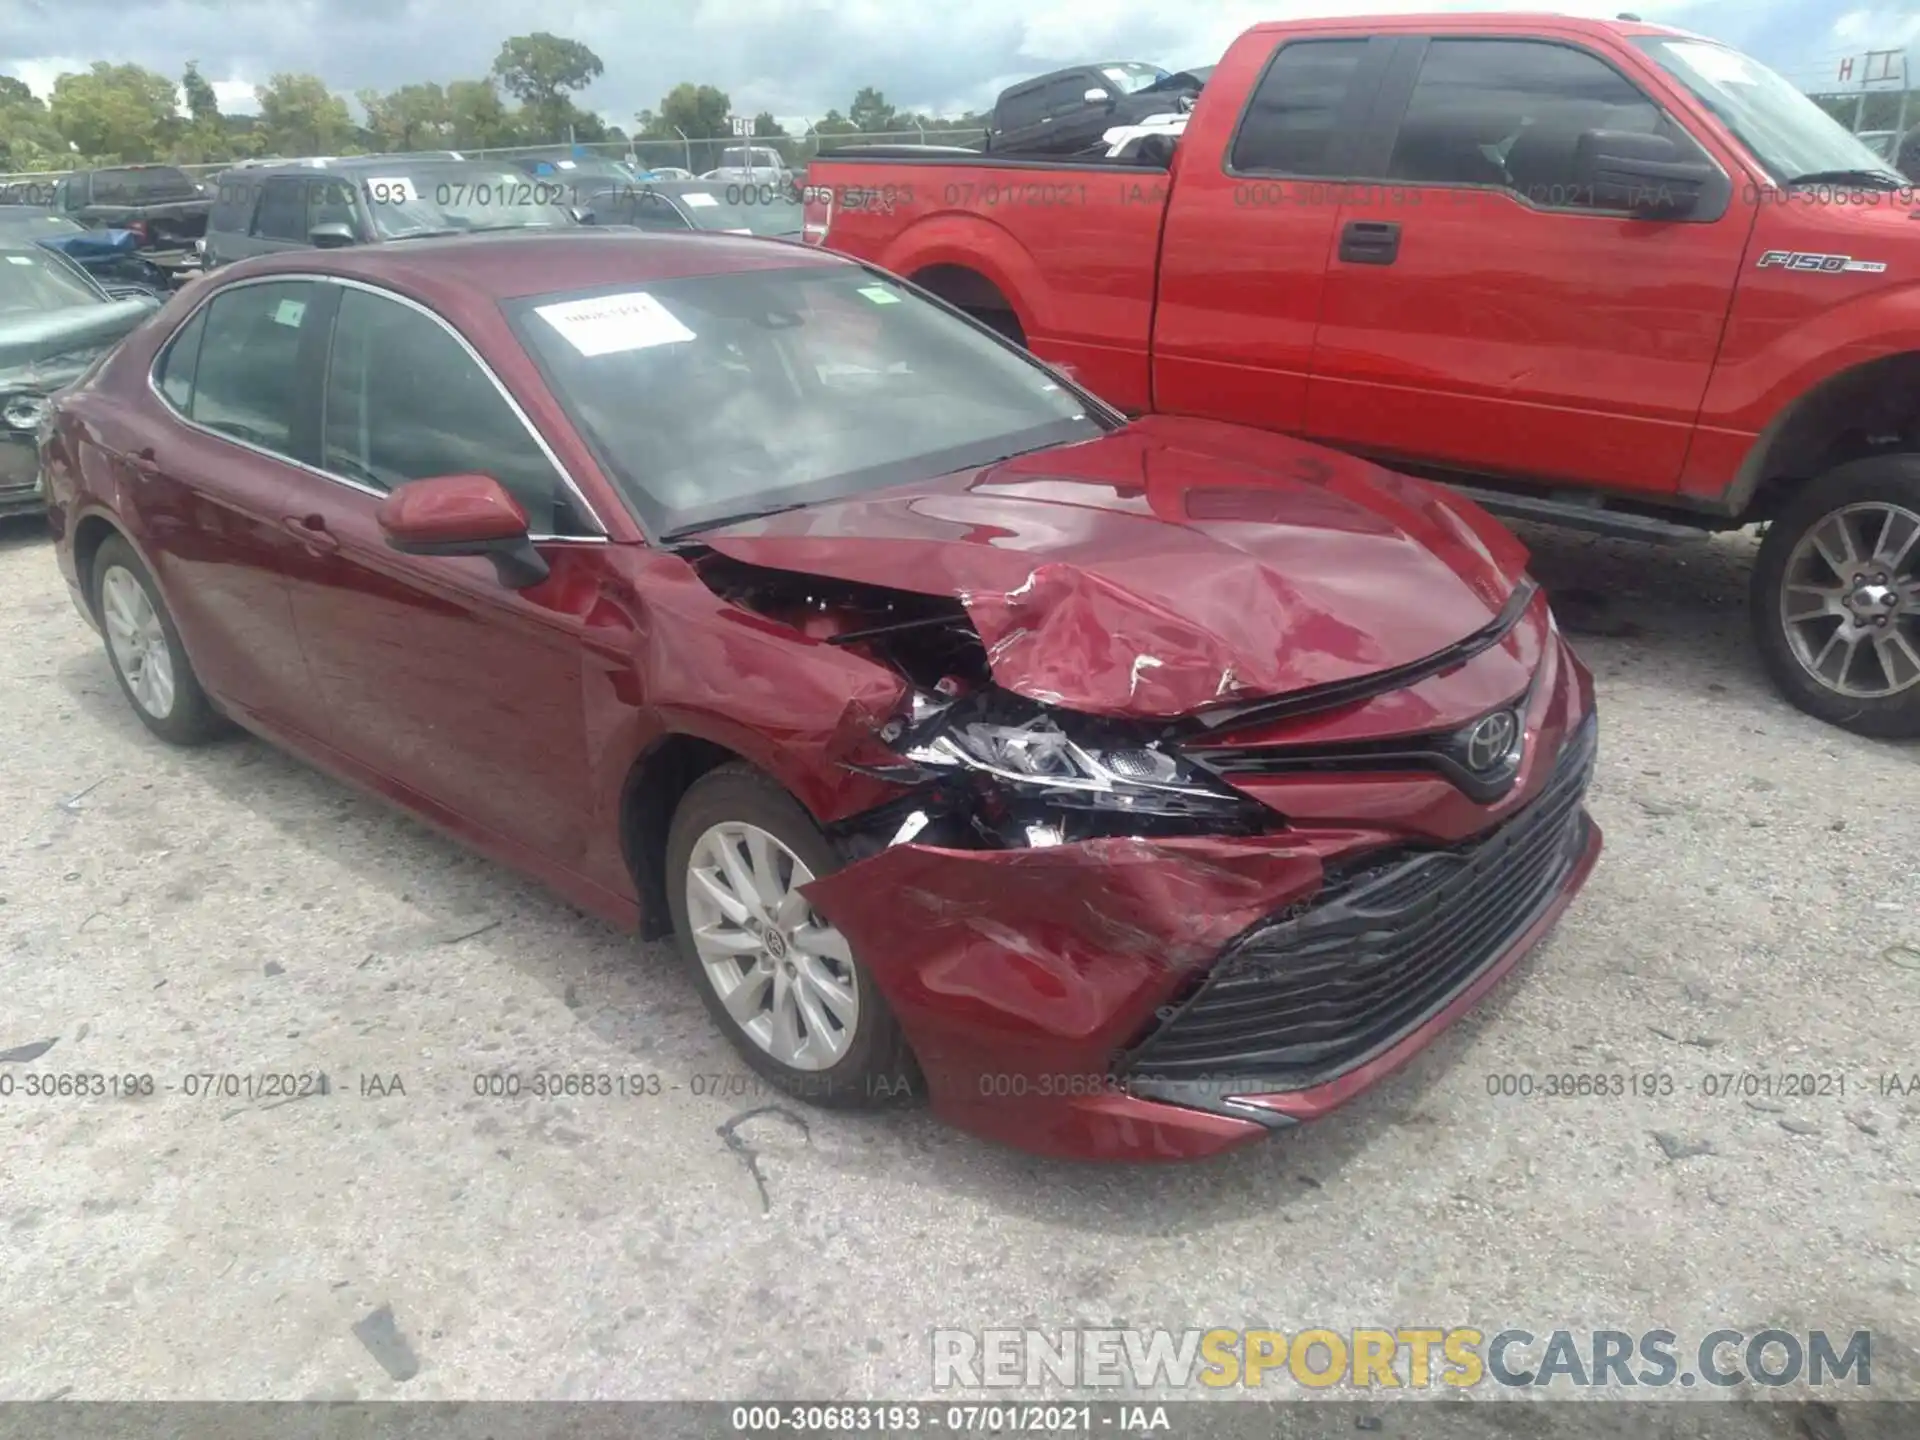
(1092, 227)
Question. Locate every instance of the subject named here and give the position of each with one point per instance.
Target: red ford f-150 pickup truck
(1599, 272)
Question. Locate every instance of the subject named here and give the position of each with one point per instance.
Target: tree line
(127, 114)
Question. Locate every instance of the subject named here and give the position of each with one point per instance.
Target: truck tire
(1836, 598)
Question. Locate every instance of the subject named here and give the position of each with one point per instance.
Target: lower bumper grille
(1307, 995)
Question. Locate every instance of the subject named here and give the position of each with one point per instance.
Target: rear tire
(781, 983)
(144, 649)
(1835, 598)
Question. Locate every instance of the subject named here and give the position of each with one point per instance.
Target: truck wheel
(1836, 598)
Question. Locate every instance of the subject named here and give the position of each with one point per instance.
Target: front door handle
(1370, 242)
(312, 532)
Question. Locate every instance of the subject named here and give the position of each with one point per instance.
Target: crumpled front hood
(1169, 566)
(49, 348)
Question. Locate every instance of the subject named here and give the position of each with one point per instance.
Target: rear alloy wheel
(1836, 598)
(779, 979)
(148, 659)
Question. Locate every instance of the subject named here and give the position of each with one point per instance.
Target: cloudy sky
(795, 58)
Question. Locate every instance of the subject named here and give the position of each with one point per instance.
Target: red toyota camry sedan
(1130, 788)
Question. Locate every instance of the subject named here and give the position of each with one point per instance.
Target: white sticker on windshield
(1715, 63)
(20, 259)
(289, 313)
(700, 197)
(879, 295)
(566, 164)
(389, 189)
(737, 230)
(609, 324)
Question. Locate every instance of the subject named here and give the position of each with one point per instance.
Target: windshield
(1788, 134)
(1129, 78)
(433, 201)
(32, 281)
(761, 159)
(718, 395)
(740, 207)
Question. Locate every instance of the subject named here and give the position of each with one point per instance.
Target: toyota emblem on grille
(1490, 742)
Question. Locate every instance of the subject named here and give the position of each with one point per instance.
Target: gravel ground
(169, 913)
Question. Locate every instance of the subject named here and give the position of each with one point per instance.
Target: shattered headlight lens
(24, 412)
(1038, 758)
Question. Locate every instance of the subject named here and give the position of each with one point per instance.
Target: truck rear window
(143, 185)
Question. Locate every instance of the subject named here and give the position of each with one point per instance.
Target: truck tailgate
(1070, 250)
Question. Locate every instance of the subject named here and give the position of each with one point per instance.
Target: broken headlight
(1036, 757)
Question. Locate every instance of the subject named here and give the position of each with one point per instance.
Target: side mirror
(463, 515)
(1642, 174)
(1096, 96)
(333, 235)
(1064, 371)
(583, 216)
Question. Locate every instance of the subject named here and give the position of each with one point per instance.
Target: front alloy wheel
(783, 974)
(782, 982)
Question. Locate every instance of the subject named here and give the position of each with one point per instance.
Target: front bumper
(1142, 999)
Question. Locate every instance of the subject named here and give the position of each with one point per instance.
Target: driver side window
(1510, 113)
(405, 401)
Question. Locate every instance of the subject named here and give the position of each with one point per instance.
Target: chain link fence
(697, 156)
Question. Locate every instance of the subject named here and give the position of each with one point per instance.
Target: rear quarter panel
(1072, 248)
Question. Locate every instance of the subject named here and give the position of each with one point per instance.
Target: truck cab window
(1293, 122)
(1510, 113)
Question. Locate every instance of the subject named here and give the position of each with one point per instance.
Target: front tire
(1836, 598)
(780, 981)
(144, 649)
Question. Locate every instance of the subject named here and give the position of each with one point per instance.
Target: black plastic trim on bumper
(1303, 997)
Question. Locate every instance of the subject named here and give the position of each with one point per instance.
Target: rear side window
(146, 185)
(177, 364)
(1509, 113)
(1292, 124)
(406, 402)
(244, 383)
(283, 210)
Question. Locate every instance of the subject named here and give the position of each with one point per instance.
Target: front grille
(1306, 995)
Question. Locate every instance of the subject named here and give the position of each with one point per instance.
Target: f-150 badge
(1825, 264)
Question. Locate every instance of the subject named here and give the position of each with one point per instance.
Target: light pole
(689, 147)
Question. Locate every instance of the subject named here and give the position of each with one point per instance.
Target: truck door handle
(312, 531)
(1370, 242)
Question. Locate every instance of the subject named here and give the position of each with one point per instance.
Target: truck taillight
(816, 214)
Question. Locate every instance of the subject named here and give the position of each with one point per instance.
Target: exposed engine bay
(985, 768)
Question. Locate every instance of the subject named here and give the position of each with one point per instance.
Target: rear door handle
(143, 463)
(1370, 242)
(312, 532)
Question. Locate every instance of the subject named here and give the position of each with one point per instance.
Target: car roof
(508, 265)
(357, 163)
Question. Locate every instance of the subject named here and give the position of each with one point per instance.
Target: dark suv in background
(1068, 111)
(260, 210)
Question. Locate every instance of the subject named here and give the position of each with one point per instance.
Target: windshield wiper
(681, 532)
(1871, 179)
